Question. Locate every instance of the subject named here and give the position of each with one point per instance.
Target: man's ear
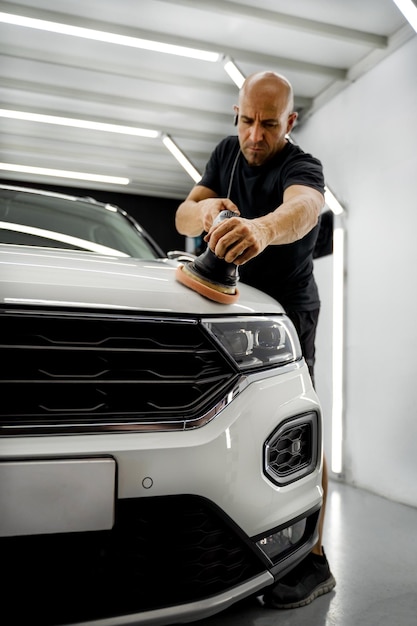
(292, 118)
(236, 117)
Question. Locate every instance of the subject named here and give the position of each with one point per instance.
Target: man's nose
(256, 132)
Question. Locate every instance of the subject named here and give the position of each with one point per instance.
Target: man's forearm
(296, 216)
(290, 222)
(188, 219)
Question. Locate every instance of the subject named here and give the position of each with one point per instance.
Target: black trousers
(305, 323)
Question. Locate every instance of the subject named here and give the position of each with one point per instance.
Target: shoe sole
(323, 588)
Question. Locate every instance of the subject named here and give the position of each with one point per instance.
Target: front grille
(89, 371)
(161, 552)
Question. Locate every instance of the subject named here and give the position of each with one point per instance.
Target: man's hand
(199, 210)
(211, 207)
(237, 240)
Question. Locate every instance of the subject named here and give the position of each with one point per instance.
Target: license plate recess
(57, 496)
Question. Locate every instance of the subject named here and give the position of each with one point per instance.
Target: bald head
(265, 116)
(268, 85)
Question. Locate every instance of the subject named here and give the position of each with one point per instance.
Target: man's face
(264, 120)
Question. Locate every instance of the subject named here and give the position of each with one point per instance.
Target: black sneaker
(308, 580)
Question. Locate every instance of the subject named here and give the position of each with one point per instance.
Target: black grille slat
(44, 363)
(116, 398)
(92, 369)
(68, 329)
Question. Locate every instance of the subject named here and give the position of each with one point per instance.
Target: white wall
(366, 138)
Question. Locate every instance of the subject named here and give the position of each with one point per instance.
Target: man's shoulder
(225, 152)
(301, 168)
(227, 144)
(218, 167)
(294, 151)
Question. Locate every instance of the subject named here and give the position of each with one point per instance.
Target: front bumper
(190, 512)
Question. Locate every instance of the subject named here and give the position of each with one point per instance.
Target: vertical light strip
(338, 331)
(332, 202)
(338, 348)
(181, 158)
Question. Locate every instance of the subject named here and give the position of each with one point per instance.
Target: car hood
(40, 276)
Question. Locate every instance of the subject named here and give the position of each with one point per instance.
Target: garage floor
(371, 544)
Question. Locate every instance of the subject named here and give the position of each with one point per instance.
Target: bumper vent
(87, 372)
(162, 552)
(291, 451)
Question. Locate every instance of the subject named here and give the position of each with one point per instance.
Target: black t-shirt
(285, 272)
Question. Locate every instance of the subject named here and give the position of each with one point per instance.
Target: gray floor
(371, 545)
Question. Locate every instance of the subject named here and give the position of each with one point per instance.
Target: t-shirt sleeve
(304, 169)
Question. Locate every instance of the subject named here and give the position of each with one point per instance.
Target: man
(276, 190)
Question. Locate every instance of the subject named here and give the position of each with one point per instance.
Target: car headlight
(257, 341)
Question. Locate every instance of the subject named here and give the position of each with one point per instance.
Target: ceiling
(321, 46)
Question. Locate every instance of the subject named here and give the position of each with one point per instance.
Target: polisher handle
(224, 215)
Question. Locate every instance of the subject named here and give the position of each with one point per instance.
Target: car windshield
(67, 222)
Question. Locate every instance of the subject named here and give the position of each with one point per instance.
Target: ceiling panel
(320, 46)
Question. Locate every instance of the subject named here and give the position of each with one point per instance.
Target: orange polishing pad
(204, 288)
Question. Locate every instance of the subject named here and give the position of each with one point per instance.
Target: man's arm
(199, 210)
(239, 240)
(297, 215)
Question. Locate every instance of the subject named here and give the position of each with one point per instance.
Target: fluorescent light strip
(76, 123)
(332, 202)
(409, 10)
(44, 171)
(98, 35)
(338, 350)
(181, 158)
(233, 71)
(338, 334)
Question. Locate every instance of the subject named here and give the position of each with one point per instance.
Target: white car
(160, 453)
